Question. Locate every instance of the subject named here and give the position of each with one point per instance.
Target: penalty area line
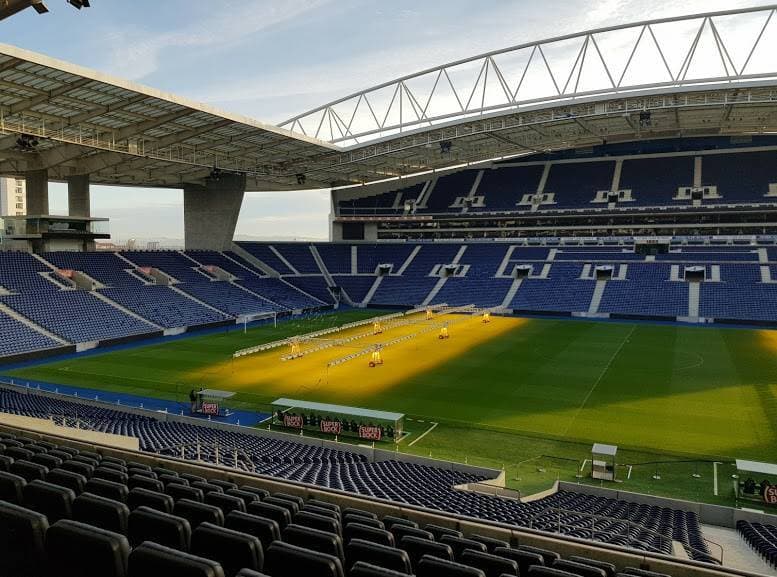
(422, 435)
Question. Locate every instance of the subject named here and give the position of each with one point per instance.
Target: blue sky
(271, 59)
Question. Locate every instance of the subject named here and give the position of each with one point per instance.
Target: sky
(272, 59)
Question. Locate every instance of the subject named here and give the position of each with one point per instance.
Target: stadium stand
(76, 316)
(762, 538)
(163, 306)
(618, 522)
(738, 284)
(18, 338)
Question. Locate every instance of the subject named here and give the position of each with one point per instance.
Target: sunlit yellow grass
(308, 377)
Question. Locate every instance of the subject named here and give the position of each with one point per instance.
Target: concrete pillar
(210, 212)
(78, 199)
(37, 187)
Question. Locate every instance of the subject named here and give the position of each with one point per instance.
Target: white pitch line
(426, 432)
(598, 380)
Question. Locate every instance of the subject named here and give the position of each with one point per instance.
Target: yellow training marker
(376, 358)
(444, 332)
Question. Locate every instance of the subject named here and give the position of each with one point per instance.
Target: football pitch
(526, 394)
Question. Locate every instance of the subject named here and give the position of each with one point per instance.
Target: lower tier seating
(76, 316)
(637, 526)
(762, 538)
(163, 306)
(78, 513)
(18, 338)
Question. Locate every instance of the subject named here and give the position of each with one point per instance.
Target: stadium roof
(677, 77)
(338, 409)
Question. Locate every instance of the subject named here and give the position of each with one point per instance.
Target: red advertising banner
(333, 427)
(770, 495)
(209, 408)
(371, 433)
(292, 421)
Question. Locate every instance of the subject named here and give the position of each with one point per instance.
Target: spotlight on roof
(445, 147)
(216, 174)
(26, 143)
(301, 178)
(40, 7)
(79, 3)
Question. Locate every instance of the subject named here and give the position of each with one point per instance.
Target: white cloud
(135, 53)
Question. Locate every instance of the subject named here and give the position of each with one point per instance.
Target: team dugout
(338, 420)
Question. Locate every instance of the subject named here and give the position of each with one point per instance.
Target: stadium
(541, 338)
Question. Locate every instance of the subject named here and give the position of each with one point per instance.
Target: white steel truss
(702, 51)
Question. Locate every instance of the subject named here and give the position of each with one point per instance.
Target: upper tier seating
(447, 189)
(740, 177)
(384, 203)
(653, 182)
(504, 187)
(575, 185)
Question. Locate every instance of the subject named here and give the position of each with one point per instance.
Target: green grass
(534, 399)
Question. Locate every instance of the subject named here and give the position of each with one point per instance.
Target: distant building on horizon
(13, 197)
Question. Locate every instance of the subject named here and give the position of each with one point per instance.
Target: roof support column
(210, 212)
(37, 187)
(78, 198)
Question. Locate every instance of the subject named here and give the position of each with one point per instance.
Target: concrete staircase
(511, 293)
(372, 291)
(596, 299)
(441, 283)
(409, 259)
(694, 289)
